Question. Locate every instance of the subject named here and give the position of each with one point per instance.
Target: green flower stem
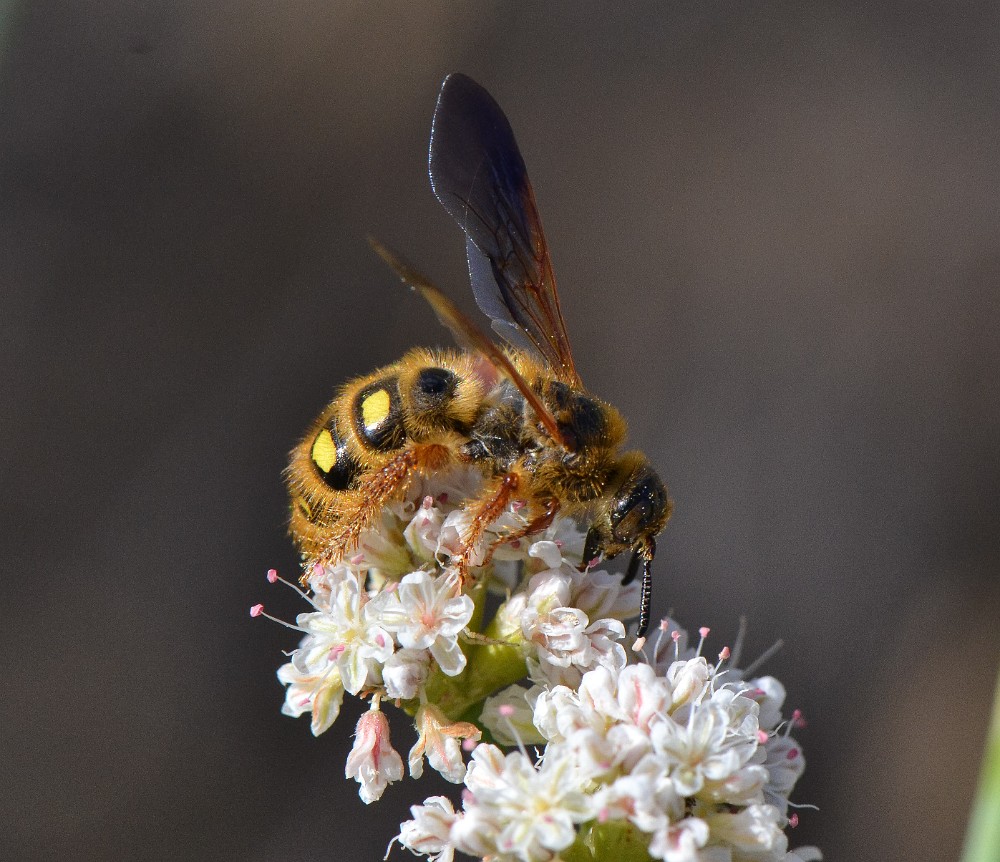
(982, 840)
(617, 841)
(489, 667)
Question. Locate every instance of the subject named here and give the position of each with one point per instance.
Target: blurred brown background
(775, 228)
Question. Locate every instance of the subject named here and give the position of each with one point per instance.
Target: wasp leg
(591, 548)
(376, 489)
(535, 525)
(490, 507)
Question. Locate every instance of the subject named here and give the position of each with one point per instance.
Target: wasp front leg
(484, 510)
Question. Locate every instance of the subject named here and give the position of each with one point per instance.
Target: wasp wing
(469, 336)
(478, 175)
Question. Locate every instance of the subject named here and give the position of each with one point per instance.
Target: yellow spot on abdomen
(324, 451)
(375, 408)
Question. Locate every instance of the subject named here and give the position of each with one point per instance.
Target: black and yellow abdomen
(426, 397)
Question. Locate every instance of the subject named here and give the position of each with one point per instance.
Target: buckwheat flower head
(659, 754)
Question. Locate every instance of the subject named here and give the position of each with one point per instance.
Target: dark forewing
(479, 176)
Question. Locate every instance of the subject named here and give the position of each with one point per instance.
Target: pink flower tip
(272, 576)
(762, 736)
(675, 635)
(703, 631)
(724, 654)
(793, 821)
(664, 624)
(256, 610)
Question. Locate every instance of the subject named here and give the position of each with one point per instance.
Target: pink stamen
(762, 736)
(256, 610)
(516, 544)
(664, 624)
(506, 710)
(792, 753)
(703, 631)
(443, 497)
(317, 570)
(603, 816)
(724, 654)
(469, 745)
(793, 821)
(516, 506)
(428, 502)
(357, 559)
(559, 543)
(272, 576)
(675, 636)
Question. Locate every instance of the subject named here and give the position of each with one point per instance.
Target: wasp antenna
(407, 274)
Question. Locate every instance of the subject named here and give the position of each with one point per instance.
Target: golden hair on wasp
(518, 413)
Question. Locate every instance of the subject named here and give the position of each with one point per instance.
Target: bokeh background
(775, 228)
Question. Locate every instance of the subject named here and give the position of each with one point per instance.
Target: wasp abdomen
(332, 459)
(378, 415)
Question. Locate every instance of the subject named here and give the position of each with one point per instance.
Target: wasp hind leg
(375, 490)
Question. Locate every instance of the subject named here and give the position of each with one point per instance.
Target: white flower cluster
(696, 760)
(672, 758)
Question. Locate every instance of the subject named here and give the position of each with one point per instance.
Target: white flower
(644, 795)
(785, 764)
(429, 832)
(373, 762)
(428, 613)
(404, 672)
(698, 750)
(755, 829)
(348, 634)
(509, 718)
(681, 841)
(536, 807)
(422, 533)
(439, 740)
(319, 693)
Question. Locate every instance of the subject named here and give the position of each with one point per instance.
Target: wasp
(519, 412)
